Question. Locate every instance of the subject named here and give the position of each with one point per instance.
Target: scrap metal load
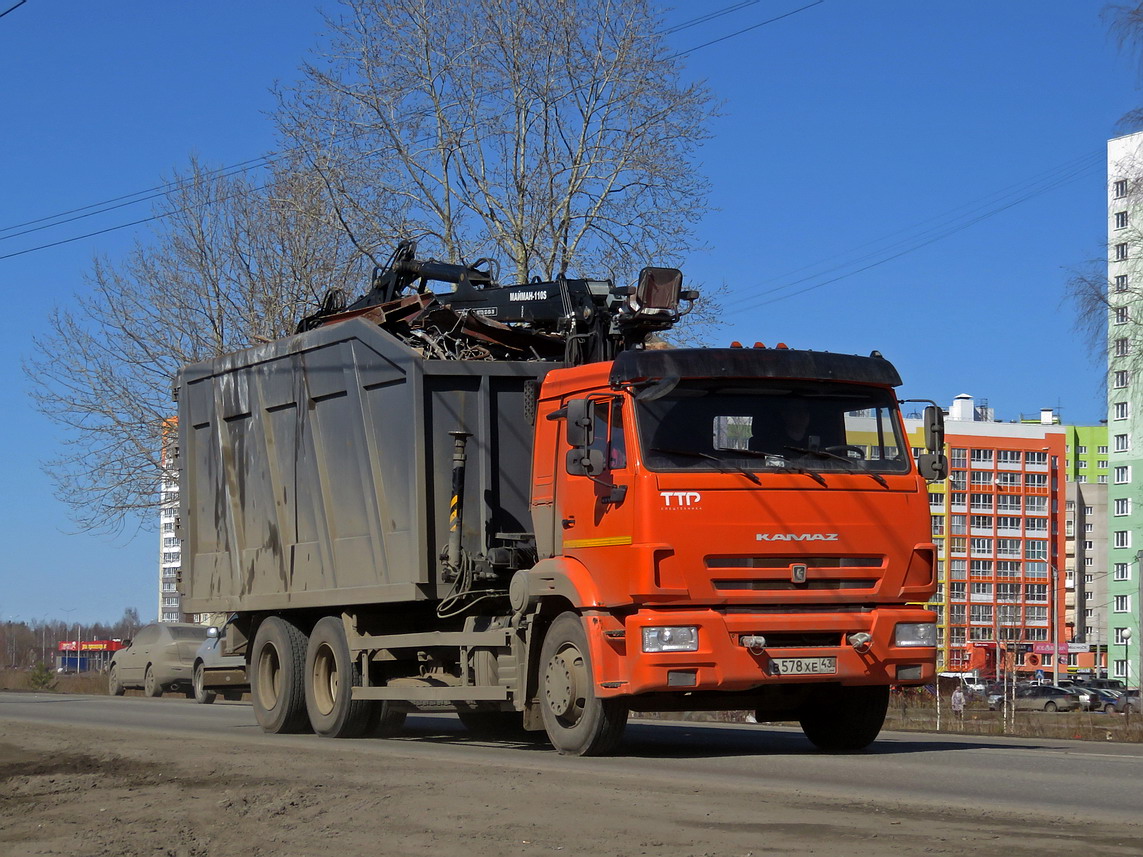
(568, 320)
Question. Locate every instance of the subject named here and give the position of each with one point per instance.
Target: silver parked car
(1046, 697)
(160, 658)
(215, 672)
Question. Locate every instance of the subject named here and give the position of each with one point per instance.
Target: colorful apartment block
(999, 526)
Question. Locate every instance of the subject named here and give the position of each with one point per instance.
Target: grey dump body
(316, 470)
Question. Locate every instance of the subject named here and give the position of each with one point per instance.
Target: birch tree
(553, 135)
(231, 264)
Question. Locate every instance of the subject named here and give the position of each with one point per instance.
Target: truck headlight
(674, 639)
(915, 634)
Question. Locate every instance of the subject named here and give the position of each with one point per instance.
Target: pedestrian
(958, 704)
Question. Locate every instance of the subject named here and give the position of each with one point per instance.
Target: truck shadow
(692, 741)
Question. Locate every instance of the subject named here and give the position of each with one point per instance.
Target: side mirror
(584, 462)
(212, 631)
(934, 422)
(580, 423)
(934, 465)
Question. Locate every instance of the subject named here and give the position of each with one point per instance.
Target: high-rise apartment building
(998, 523)
(1124, 389)
(170, 555)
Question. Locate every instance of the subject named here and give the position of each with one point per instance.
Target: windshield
(773, 426)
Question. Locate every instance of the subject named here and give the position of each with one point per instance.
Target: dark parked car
(159, 658)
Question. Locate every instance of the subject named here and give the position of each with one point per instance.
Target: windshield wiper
(853, 465)
(693, 453)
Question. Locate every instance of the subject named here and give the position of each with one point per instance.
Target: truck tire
(331, 674)
(114, 687)
(386, 721)
(151, 686)
(201, 695)
(277, 677)
(846, 719)
(578, 722)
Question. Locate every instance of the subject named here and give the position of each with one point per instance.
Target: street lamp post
(1125, 636)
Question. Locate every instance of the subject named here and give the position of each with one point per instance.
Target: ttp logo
(680, 499)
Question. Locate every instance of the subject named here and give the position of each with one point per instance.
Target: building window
(981, 547)
(981, 502)
(1102, 451)
(1122, 348)
(1122, 604)
(958, 458)
(1121, 220)
(1123, 571)
(1008, 503)
(958, 591)
(1006, 480)
(1037, 525)
(957, 525)
(1121, 378)
(1120, 410)
(1120, 313)
(1039, 459)
(1036, 505)
(1123, 474)
(981, 568)
(1120, 187)
(1123, 538)
(1036, 549)
(982, 456)
(1101, 463)
(1009, 456)
(1122, 506)
(1121, 251)
(980, 614)
(1121, 283)
(1121, 443)
(1007, 568)
(983, 477)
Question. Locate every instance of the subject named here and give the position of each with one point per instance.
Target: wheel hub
(561, 685)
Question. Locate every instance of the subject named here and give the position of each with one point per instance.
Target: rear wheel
(151, 686)
(578, 723)
(201, 694)
(114, 687)
(277, 676)
(331, 674)
(846, 719)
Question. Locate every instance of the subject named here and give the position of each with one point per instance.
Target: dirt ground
(83, 793)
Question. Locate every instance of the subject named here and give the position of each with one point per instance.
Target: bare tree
(232, 264)
(553, 134)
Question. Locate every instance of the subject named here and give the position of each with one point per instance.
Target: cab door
(594, 511)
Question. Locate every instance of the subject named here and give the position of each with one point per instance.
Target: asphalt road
(1034, 779)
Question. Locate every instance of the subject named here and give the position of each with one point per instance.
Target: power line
(917, 244)
(164, 190)
(746, 29)
(12, 9)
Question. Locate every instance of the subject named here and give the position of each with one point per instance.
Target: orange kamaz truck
(501, 501)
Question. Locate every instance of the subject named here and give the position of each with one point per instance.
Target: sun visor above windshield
(635, 366)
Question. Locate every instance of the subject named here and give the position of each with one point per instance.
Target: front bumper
(722, 663)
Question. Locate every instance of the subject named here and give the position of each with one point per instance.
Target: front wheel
(1109, 709)
(846, 719)
(277, 676)
(151, 686)
(202, 695)
(114, 687)
(1050, 706)
(578, 722)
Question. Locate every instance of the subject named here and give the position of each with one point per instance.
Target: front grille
(825, 640)
(790, 586)
(784, 562)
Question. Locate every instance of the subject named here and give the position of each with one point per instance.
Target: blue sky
(855, 134)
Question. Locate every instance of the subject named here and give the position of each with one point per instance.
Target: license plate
(803, 666)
